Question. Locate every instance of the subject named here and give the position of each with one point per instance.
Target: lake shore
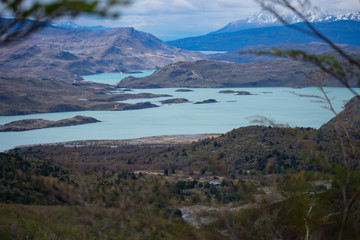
(231, 111)
(153, 140)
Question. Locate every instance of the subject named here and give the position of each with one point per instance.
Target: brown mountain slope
(210, 74)
(64, 54)
(41, 73)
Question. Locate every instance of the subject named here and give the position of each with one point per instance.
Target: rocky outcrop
(206, 101)
(214, 74)
(141, 105)
(184, 90)
(175, 100)
(243, 93)
(31, 124)
(237, 92)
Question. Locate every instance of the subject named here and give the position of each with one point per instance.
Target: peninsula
(32, 124)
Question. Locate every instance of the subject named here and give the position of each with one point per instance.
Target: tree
(40, 12)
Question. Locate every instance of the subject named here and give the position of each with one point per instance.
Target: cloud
(191, 17)
(155, 7)
(336, 4)
(172, 19)
(152, 7)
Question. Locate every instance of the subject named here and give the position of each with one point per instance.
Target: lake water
(231, 111)
(115, 78)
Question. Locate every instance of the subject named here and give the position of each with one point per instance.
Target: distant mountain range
(263, 28)
(243, 55)
(340, 32)
(263, 18)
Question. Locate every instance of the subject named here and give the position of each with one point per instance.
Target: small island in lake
(141, 105)
(175, 100)
(207, 101)
(243, 93)
(184, 90)
(31, 124)
(228, 91)
(237, 92)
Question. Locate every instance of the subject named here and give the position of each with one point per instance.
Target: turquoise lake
(231, 111)
(115, 78)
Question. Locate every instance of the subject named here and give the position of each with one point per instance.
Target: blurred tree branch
(270, 6)
(344, 171)
(25, 17)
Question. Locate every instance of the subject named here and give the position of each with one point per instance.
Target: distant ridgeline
(264, 18)
(215, 74)
(341, 32)
(263, 28)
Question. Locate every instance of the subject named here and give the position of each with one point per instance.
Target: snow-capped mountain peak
(263, 18)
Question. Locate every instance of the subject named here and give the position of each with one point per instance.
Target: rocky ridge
(31, 124)
(67, 54)
(215, 74)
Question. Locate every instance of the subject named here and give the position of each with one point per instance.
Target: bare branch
(20, 26)
(312, 30)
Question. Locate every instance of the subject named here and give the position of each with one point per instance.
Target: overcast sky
(173, 19)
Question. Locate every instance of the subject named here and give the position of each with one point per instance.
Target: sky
(174, 19)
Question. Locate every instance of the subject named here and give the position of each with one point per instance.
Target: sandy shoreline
(153, 140)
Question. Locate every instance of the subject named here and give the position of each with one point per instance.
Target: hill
(349, 117)
(31, 124)
(341, 32)
(215, 74)
(65, 54)
(43, 72)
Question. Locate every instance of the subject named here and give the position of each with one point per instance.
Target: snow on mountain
(72, 25)
(263, 18)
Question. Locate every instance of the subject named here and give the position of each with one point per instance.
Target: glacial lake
(231, 111)
(115, 78)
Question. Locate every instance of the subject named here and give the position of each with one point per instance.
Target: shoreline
(151, 140)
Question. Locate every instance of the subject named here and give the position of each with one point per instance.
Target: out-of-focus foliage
(334, 214)
(24, 17)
